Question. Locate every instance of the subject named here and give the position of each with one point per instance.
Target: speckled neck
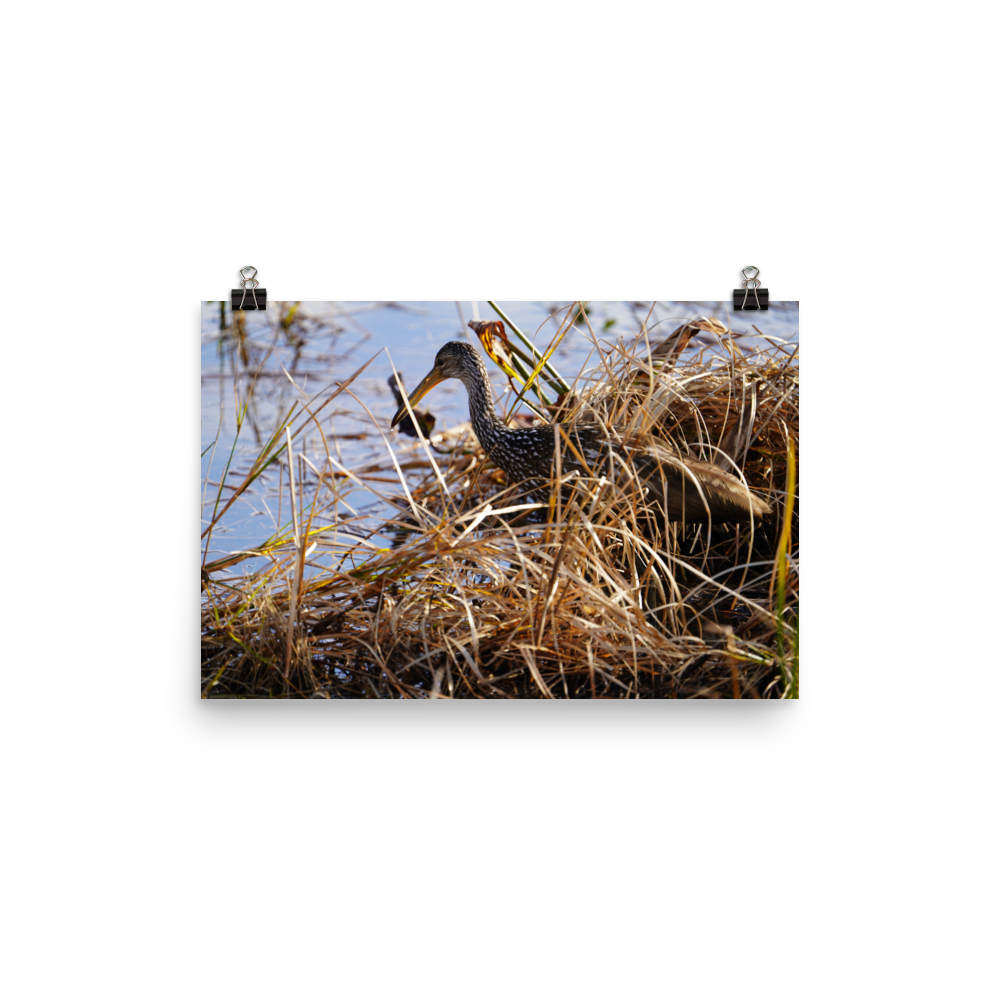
(485, 422)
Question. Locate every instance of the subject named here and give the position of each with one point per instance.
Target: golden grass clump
(474, 589)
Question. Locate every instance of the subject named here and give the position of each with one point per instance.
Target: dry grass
(484, 594)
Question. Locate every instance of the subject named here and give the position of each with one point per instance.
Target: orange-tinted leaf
(493, 337)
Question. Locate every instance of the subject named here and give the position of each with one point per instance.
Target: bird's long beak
(431, 379)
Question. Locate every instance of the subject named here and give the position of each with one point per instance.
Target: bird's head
(454, 360)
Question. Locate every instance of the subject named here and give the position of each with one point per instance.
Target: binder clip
(258, 296)
(742, 300)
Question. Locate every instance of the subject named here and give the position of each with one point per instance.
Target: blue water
(335, 339)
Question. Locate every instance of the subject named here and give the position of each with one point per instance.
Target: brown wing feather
(692, 490)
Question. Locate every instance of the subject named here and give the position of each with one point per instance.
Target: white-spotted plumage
(683, 488)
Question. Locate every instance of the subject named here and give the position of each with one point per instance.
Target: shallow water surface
(300, 352)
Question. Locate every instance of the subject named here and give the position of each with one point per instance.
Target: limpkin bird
(685, 489)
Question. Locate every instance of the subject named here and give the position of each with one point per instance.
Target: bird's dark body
(684, 489)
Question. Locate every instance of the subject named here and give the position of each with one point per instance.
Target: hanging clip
(742, 300)
(258, 296)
